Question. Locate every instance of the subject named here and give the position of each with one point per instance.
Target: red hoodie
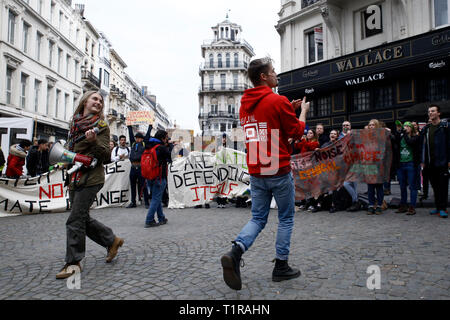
(305, 146)
(268, 120)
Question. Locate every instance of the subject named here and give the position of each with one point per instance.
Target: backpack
(150, 167)
(342, 199)
(117, 150)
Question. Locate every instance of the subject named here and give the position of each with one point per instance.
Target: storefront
(389, 82)
(51, 133)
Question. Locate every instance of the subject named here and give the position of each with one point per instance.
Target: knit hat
(409, 124)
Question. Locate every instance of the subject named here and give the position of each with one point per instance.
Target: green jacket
(98, 149)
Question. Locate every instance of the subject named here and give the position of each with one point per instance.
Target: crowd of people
(419, 155)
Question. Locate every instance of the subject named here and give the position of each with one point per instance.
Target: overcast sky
(160, 42)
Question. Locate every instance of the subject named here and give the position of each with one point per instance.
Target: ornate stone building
(223, 79)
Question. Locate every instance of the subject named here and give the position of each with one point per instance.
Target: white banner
(47, 194)
(202, 176)
(13, 129)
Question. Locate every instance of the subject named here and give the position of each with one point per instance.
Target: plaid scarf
(79, 126)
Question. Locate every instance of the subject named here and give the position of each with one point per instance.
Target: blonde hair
(84, 99)
(376, 122)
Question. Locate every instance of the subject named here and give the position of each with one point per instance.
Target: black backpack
(342, 199)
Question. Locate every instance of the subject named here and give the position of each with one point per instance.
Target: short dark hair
(24, 143)
(161, 134)
(257, 67)
(437, 107)
(122, 136)
(42, 141)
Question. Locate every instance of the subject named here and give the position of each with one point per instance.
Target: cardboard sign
(140, 118)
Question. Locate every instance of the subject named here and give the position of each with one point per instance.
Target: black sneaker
(163, 222)
(131, 205)
(332, 210)
(152, 224)
(282, 271)
(231, 267)
(207, 206)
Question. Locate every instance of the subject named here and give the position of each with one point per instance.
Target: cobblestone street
(180, 260)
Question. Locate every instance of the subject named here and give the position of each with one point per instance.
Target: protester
(309, 143)
(112, 145)
(435, 158)
(85, 183)
(322, 138)
(38, 159)
(159, 147)
(346, 129)
(120, 152)
(263, 115)
(137, 149)
(407, 146)
(372, 187)
(16, 159)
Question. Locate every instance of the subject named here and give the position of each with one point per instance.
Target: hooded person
(16, 159)
(269, 121)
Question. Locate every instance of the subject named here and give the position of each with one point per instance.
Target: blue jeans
(157, 187)
(371, 194)
(262, 190)
(351, 189)
(407, 174)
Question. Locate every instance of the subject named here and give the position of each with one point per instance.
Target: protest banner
(12, 130)
(140, 118)
(47, 193)
(202, 176)
(362, 155)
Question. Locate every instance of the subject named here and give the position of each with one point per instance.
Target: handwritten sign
(202, 176)
(140, 118)
(363, 155)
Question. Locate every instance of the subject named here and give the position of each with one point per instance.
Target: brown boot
(65, 273)
(411, 211)
(112, 251)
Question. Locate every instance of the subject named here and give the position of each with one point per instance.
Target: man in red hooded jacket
(268, 120)
(16, 159)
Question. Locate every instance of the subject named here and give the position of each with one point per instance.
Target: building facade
(358, 60)
(41, 55)
(223, 79)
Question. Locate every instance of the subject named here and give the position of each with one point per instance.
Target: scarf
(79, 126)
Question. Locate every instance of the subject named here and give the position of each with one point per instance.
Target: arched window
(236, 60)
(228, 63)
(219, 60)
(211, 60)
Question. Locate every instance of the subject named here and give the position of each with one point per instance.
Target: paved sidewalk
(180, 260)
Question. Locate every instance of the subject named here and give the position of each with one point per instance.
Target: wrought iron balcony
(218, 114)
(224, 65)
(90, 79)
(223, 87)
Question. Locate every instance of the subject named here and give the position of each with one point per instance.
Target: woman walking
(85, 183)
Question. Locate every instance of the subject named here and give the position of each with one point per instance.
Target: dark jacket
(137, 149)
(163, 154)
(413, 142)
(37, 161)
(323, 138)
(441, 145)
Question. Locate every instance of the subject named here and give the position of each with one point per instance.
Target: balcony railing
(224, 65)
(218, 114)
(223, 87)
(307, 3)
(112, 113)
(88, 76)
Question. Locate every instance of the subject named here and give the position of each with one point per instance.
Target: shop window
(441, 12)
(437, 89)
(361, 100)
(311, 112)
(323, 106)
(383, 97)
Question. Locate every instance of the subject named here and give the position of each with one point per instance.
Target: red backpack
(150, 167)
